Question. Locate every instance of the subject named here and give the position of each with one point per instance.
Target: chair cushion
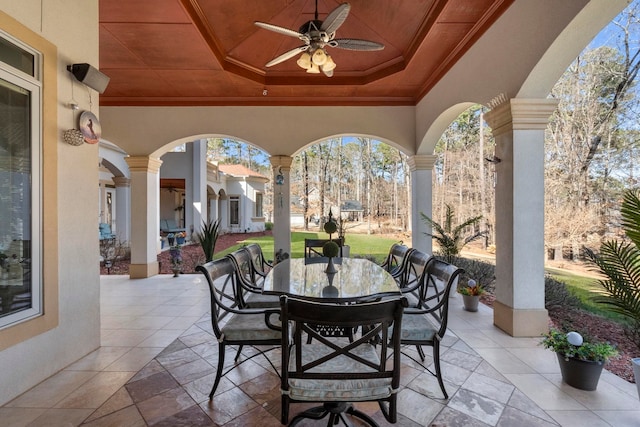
(417, 327)
(342, 389)
(255, 300)
(250, 327)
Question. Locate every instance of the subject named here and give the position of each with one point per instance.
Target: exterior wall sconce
(279, 177)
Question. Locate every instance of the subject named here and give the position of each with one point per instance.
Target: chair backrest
(321, 357)
(246, 277)
(220, 275)
(415, 271)
(260, 264)
(436, 288)
(313, 247)
(105, 231)
(396, 261)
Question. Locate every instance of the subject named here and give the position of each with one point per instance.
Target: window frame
(234, 200)
(33, 85)
(259, 207)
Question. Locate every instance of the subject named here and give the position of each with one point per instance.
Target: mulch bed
(192, 254)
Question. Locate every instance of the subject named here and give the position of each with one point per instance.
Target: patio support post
(123, 207)
(145, 216)
(519, 127)
(281, 165)
(421, 167)
(198, 197)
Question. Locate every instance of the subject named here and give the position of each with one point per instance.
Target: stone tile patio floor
(157, 363)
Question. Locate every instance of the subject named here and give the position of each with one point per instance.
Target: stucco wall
(72, 27)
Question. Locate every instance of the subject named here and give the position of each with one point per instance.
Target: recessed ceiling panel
(209, 52)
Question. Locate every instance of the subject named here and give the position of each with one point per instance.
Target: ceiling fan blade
(281, 30)
(289, 54)
(355, 44)
(335, 18)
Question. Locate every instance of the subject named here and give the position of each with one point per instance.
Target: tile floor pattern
(156, 366)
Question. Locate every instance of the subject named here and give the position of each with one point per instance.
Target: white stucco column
(123, 208)
(199, 192)
(518, 127)
(281, 204)
(421, 167)
(145, 216)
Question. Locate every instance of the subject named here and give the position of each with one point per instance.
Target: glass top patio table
(355, 279)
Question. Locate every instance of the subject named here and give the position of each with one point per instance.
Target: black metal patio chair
(236, 326)
(426, 324)
(338, 372)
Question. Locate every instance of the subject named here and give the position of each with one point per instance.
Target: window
(20, 198)
(258, 205)
(234, 210)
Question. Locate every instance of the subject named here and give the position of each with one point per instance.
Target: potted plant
(207, 237)
(581, 362)
(180, 237)
(471, 295)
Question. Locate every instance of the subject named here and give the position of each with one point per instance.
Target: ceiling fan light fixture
(313, 69)
(329, 65)
(319, 57)
(304, 61)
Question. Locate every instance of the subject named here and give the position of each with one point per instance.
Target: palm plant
(452, 238)
(207, 237)
(619, 261)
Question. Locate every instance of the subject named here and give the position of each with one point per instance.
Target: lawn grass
(360, 244)
(585, 288)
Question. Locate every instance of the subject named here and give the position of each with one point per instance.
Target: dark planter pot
(580, 374)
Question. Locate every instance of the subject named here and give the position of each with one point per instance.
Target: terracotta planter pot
(471, 302)
(580, 374)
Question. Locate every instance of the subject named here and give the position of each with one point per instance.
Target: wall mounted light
(90, 76)
(280, 177)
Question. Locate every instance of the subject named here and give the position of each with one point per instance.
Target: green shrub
(484, 273)
(557, 296)
(268, 226)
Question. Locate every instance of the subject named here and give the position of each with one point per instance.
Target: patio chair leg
(436, 361)
(238, 353)
(219, 370)
(420, 353)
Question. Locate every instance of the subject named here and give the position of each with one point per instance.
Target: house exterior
(511, 68)
(234, 193)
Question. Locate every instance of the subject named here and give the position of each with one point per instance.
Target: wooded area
(591, 145)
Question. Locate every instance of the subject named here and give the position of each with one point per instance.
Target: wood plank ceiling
(209, 52)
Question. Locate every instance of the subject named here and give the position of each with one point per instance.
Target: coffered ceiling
(209, 52)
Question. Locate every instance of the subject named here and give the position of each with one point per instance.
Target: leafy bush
(619, 261)
(484, 273)
(207, 237)
(452, 238)
(268, 226)
(588, 351)
(557, 296)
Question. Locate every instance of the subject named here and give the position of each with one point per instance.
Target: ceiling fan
(317, 35)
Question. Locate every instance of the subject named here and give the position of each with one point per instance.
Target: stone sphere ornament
(575, 338)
